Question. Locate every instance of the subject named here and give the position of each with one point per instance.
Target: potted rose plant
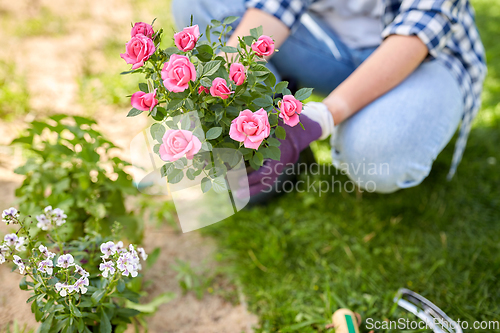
(232, 94)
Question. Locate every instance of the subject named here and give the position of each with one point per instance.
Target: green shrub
(71, 164)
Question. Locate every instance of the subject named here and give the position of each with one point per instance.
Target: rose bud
(186, 39)
(220, 89)
(237, 73)
(142, 28)
(251, 128)
(264, 46)
(177, 72)
(144, 101)
(138, 50)
(177, 144)
(290, 108)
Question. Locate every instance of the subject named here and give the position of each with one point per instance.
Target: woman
(398, 75)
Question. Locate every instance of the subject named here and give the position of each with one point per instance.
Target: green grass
(303, 256)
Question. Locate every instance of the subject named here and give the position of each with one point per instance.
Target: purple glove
(297, 139)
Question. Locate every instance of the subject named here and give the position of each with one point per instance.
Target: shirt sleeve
(429, 20)
(288, 11)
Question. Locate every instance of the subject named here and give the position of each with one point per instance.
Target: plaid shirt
(447, 28)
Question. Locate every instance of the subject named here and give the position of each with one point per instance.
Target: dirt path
(71, 43)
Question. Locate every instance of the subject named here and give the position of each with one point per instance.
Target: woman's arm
(271, 25)
(395, 59)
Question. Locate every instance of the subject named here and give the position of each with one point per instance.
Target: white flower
(119, 247)
(80, 285)
(51, 217)
(10, 239)
(143, 254)
(43, 250)
(127, 263)
(59, 216)
(81, 271)
(20, 244)
(3, 250)
(43, 222)
(63, 289)
(107, 268)
(65, 261)
(19, 262)
(10, 215)
(45, 266)
(108, 249)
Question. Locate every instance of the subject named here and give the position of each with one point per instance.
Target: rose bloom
(290, 108)
(264, 46)
(220, 89)
(138, 50)
(177, 72)
(186, 39)
(142, 28)
(237, 73)
(177, 143)
(144, 101)
(251, 128)
(203, 89)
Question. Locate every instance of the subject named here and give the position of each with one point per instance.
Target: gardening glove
(318, 124)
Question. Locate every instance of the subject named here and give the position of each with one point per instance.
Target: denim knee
(376, 175)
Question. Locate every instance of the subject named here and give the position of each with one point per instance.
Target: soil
(52, 63)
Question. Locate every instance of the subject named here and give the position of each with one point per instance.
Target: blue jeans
(391, 143)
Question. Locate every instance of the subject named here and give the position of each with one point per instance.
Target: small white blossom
(43, 250)
(108, 249)
(119, 247)
(19, 262)
(3, 250)
(10, 239)
(64, 289)
(81, 285)
(81, 271)
(59, 216)
(10, 215)
(107, 268)
(128, 264)
(43, 222)
(142, 253)
(19, 244)
(45, 266)
(51, 217)
(65, 261)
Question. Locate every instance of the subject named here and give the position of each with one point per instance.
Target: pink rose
(250, 128)
(203, 89)
(220, 89)
(177, 143)
(290, 108)
(142, 28)
(144, 101)
(264, 46)
(138, 50)
(177, 72)
(237, 73)
(187, 38)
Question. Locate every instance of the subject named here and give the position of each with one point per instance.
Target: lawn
(304, 255)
